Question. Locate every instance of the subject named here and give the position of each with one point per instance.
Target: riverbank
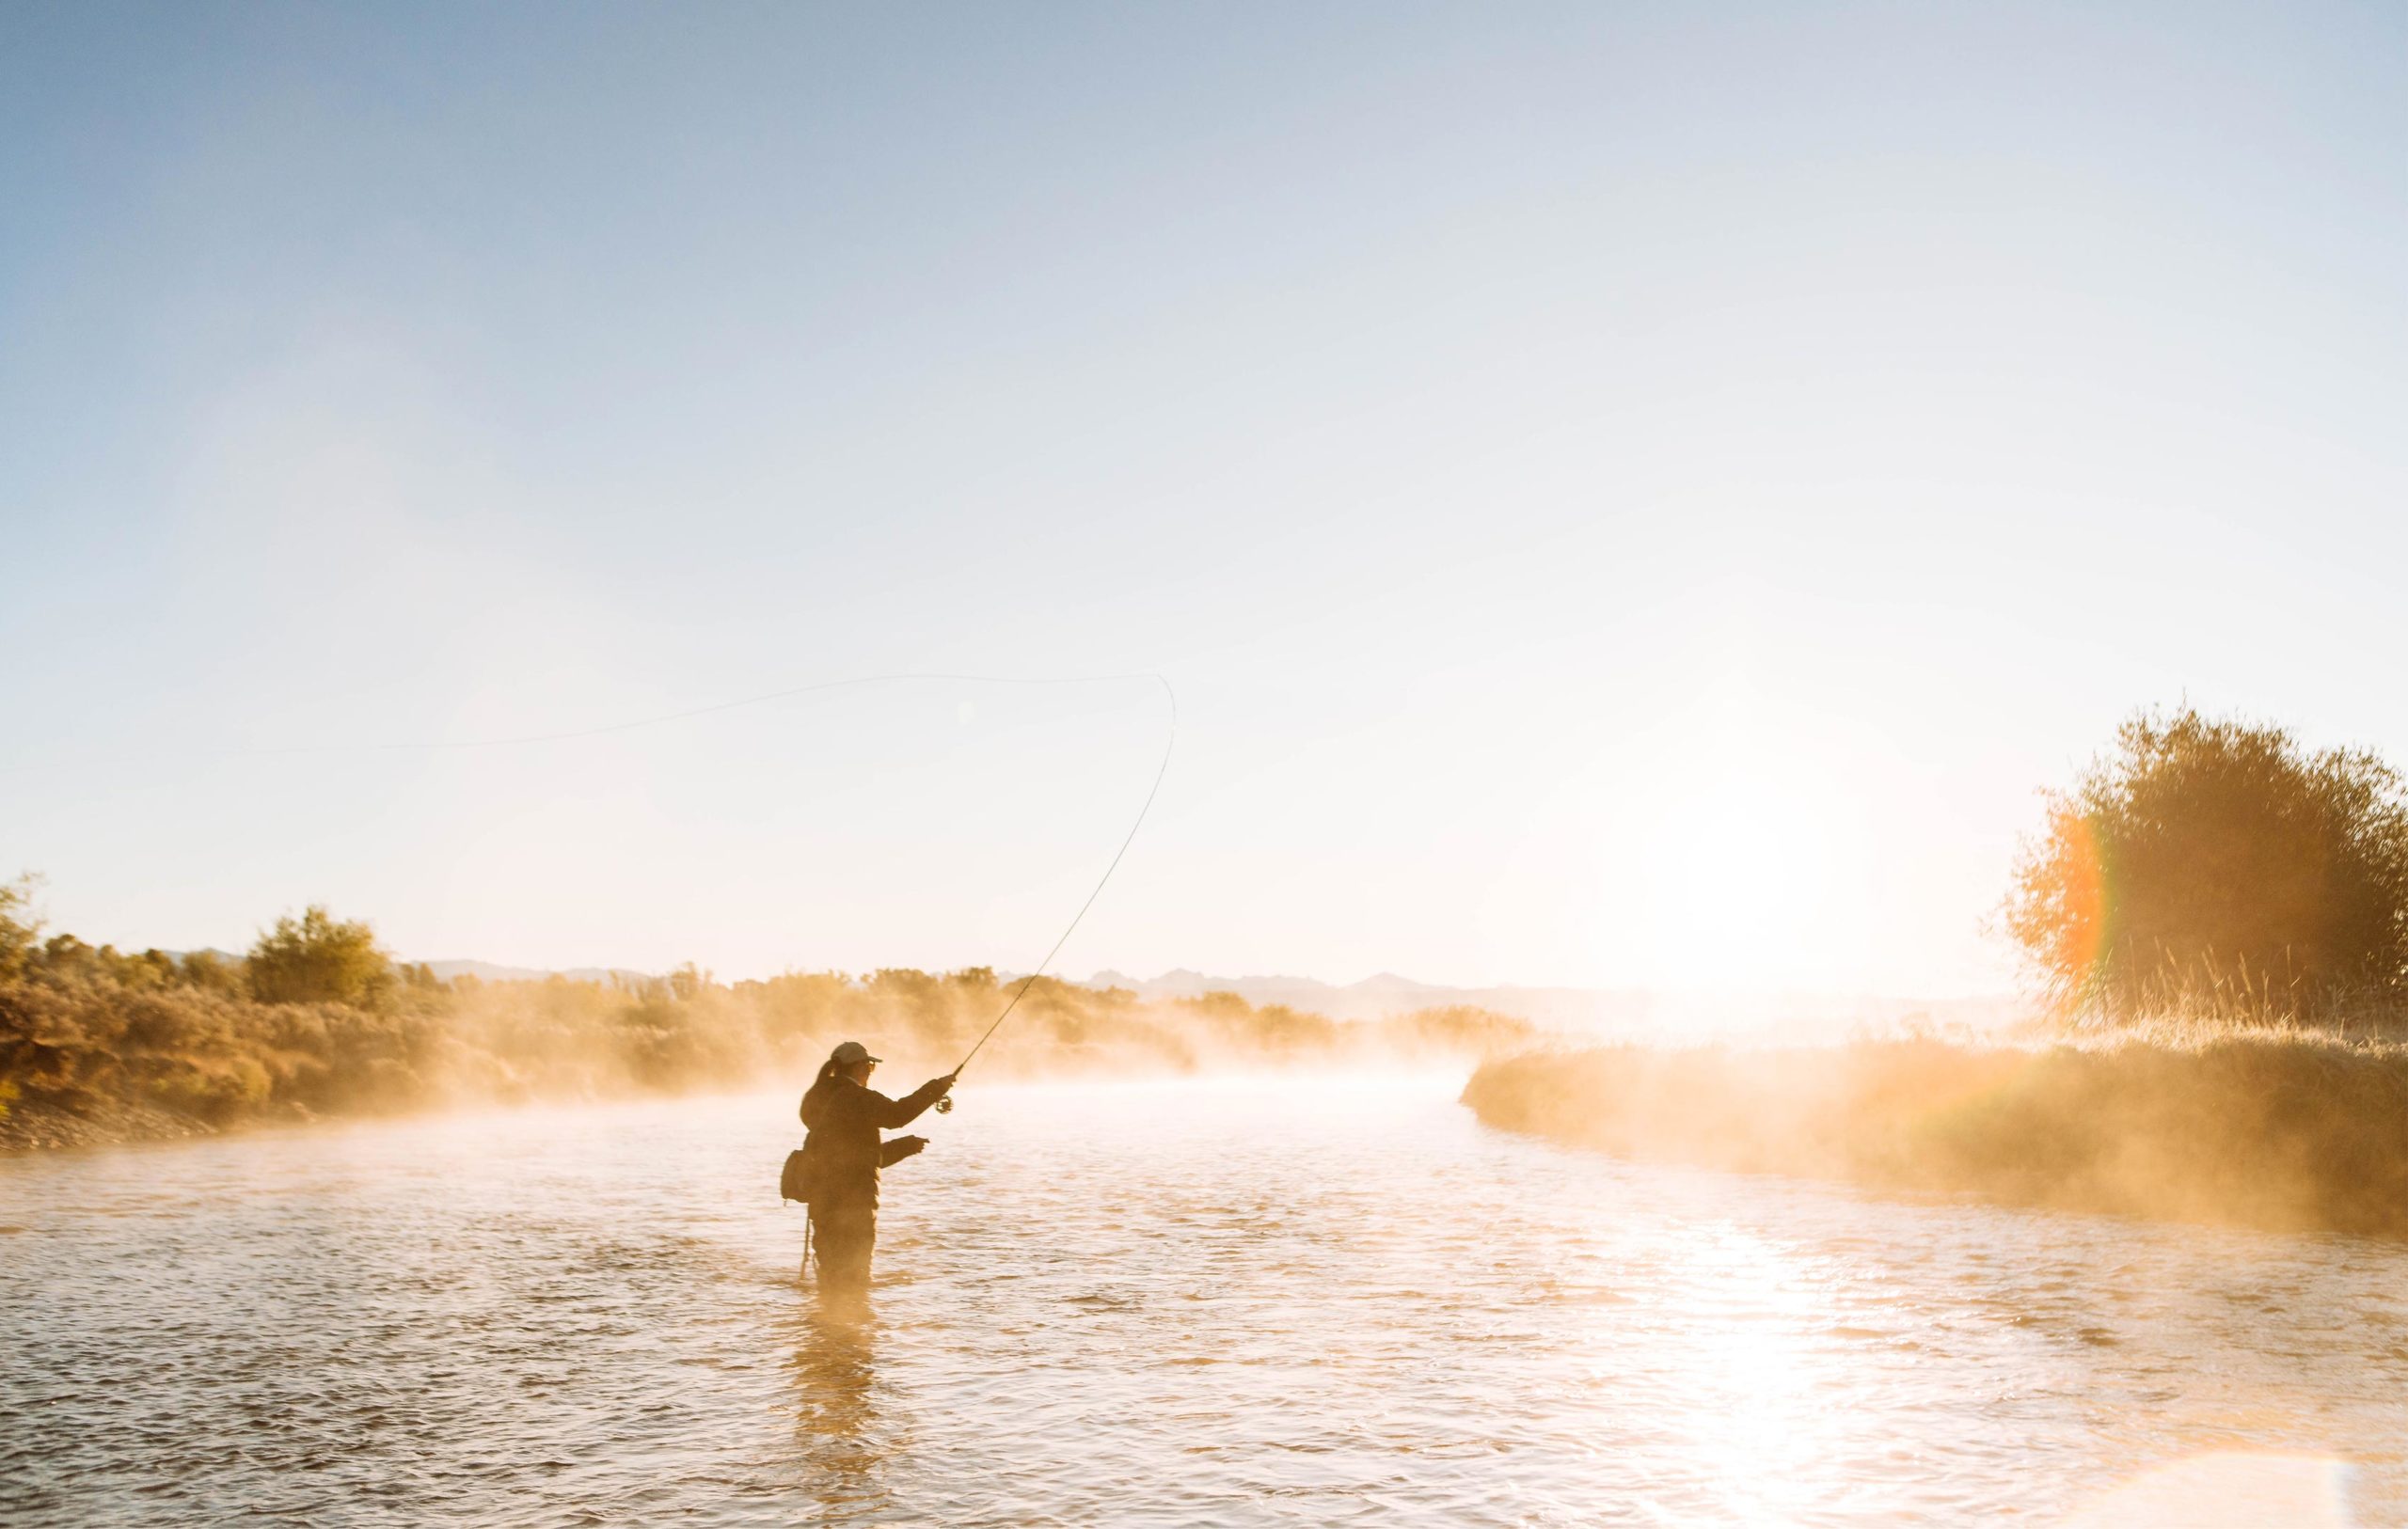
(108, 1123)
(2281, 1131)
(92, 1061)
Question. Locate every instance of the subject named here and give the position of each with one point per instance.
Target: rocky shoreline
(30, 1126)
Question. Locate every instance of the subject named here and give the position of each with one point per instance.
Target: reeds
(2207, 993)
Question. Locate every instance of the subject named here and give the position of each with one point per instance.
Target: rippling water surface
(1226, 1303)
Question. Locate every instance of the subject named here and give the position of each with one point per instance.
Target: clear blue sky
(1632, 495)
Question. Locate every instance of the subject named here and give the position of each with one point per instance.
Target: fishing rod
(1170, 742)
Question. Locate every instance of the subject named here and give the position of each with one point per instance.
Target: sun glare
(1741, 874)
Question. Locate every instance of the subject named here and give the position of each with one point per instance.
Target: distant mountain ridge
(1384, 994)
(493, 972)
(1593, 1010)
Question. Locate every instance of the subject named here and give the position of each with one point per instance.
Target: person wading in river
(844, 1116)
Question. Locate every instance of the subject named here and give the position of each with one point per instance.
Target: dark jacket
(844, 1118)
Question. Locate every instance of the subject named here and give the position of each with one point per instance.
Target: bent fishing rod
(1170, 742)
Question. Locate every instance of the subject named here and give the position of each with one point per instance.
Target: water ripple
(1226, 1303)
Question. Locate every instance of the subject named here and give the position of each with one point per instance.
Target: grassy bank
(2286, 1132)
(95, 1046)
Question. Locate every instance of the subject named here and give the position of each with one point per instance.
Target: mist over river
(1225, 1301)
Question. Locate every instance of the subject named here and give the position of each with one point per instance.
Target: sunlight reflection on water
(1229, 1301)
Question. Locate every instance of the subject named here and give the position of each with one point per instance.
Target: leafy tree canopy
(318, 959)
(2215, 867)
(19, 928)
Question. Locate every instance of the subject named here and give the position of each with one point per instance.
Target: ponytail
(828, 1070)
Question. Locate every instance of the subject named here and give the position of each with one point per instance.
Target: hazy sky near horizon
(1628, 494)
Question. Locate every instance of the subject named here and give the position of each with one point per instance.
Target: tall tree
(318, 959)
(2216, 859)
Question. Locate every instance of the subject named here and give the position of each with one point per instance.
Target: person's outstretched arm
(893, 1112)
(891, 1153)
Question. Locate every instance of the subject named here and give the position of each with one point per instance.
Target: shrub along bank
(99, 1046)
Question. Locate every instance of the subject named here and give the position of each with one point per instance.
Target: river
(1228, 1301)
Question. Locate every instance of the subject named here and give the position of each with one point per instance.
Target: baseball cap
(852, 1054)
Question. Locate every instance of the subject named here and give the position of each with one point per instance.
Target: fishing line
(920, 677)
(1170, 743)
